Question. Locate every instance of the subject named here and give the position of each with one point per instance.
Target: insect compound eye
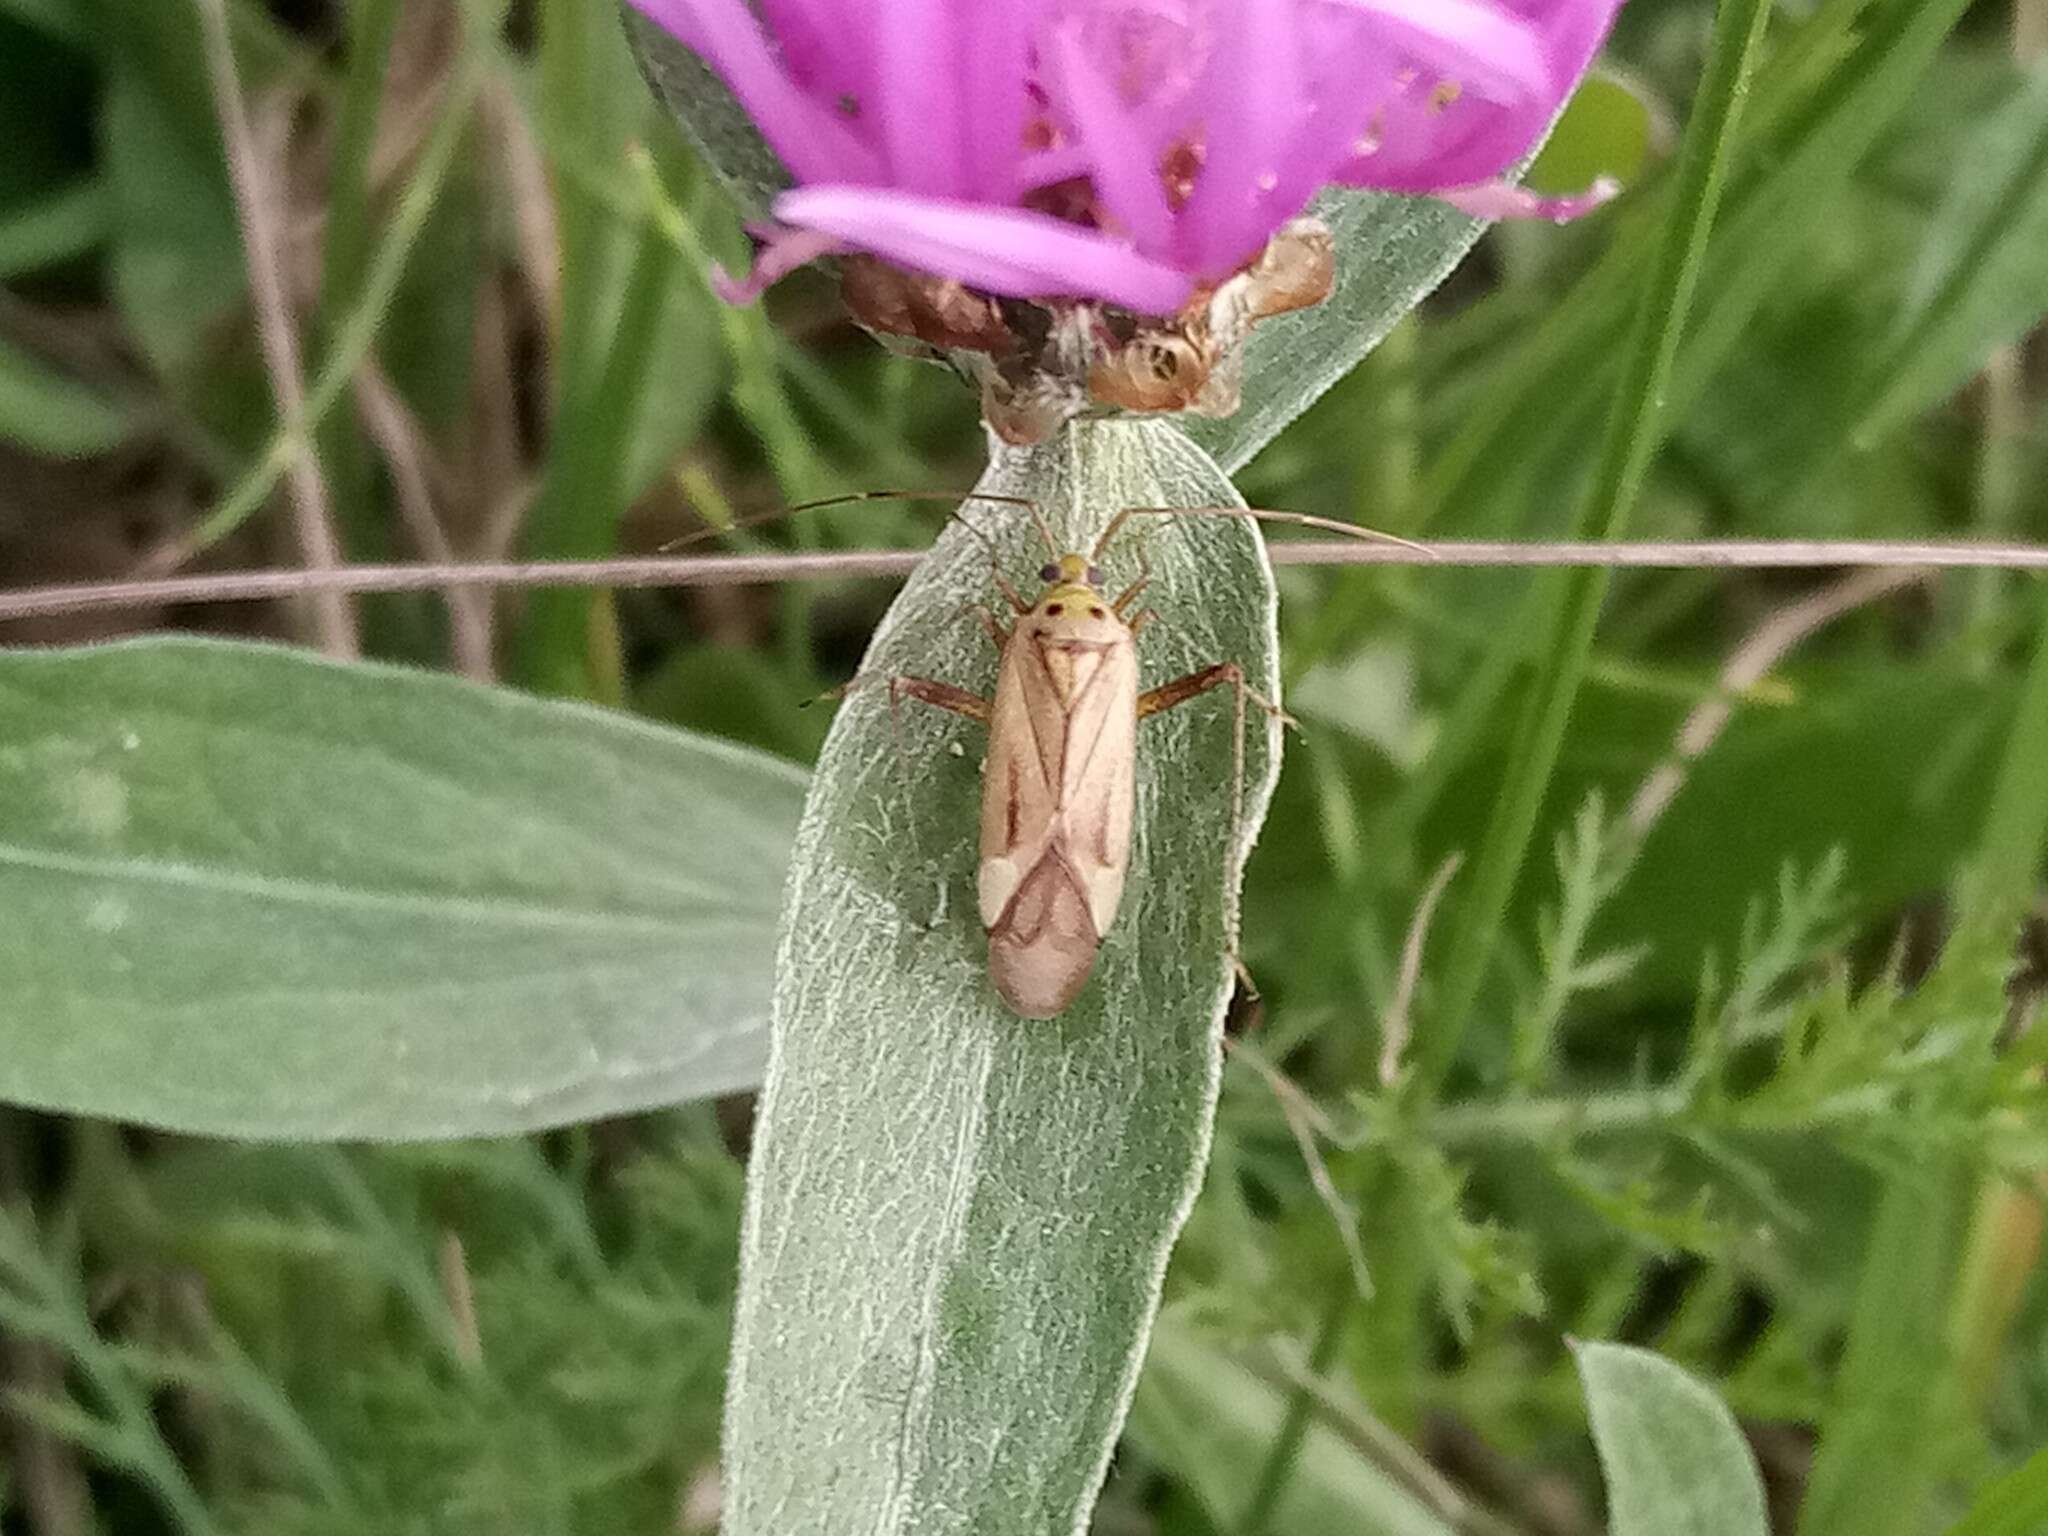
(1048, 573)
(1094, 575)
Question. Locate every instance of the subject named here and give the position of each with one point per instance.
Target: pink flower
(1132, 151)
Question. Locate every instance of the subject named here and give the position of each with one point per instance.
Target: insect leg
(1010, 593)
(1223, 674)
(998, 636)
(941, 695)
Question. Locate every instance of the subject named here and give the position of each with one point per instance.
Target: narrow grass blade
(44, 412)
(1881, 1439)
(57, 226)
(1636, 428)
(1880, 1449)
(957, 1221)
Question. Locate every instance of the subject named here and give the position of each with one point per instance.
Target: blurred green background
(1719, 1097)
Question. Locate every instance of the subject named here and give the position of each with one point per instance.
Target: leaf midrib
(344, 897)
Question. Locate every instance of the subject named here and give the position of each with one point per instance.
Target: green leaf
(177, 248)
(1983, 274)
(2015, 1505)
(1605, 131)
(712, 118)
(55, 18)
(1549, 377)
(45, 412)
(1207, 1420)
(254, 893)
(957, 1220)
(1569, 602)
(54, 227)
(1675, 1463)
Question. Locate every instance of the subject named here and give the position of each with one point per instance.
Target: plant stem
(260, 210)
(580, 507)
(1635, 431)
(2006, 1228)
(1279, 1463)
(352, 339)
(345, 258)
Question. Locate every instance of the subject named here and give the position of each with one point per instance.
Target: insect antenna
(1052, 544)
(847, 499)
(1268, 515)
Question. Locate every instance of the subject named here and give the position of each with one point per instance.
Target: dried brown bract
(1041, 364)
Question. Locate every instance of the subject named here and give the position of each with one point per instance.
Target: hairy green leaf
(711, 116)
(958, 1220)
(253, 893)
(1676, 1465)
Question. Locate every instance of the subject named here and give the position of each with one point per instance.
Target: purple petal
(813, 143)
(918, 96)
(1483, 46)
(1124, 166)
(996, 56)
(1049, 167)
(1252, 105)
(1424, 148)
(1343, 55)
(1494, 200)
(782, 252)
(828, 45)
(1002, 250)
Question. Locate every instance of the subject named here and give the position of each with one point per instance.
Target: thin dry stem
(534, 230)
(1305, 1120)
(493, 460)
(2030, 30)
(1394, 1028)
(1381, 1445)
(255, 198)
(457, 1286)
(398, 437)
(648, 571)
(504, 518)
(1781, 632)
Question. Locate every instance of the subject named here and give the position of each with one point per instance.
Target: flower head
(1129, 151)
